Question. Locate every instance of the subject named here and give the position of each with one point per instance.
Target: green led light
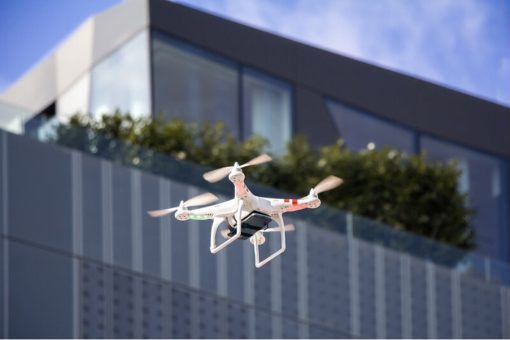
(197, 217)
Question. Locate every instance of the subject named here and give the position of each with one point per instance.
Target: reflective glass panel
(484, 178)
(193, 84)
(121, 81)
(267, 109)
(75, 99)
(359, 129)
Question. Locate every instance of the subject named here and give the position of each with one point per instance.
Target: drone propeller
(326, 184)
(194, 201)
(218, 174)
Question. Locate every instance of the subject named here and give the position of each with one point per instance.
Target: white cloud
(443, 41)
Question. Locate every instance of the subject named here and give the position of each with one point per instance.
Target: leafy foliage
(403, 191)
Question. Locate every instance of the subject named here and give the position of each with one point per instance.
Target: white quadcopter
(254, 213)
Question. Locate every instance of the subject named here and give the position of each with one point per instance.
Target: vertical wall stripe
(194, 268)
(221, 266)
(77, 215)
(456, 305)
(106, 196)
(222, 281)
(77, 202)
(276, 286)
(302, 275)
(193, 246)
(431, 301)
(221, 276)
(380, 292)
(349, 223)
(405, 296)
(166, 255)
(107, 220)
(487, 268)
(249, 286)
(166, 230)
(194, 253)
(136, 220)
(5, 222)
(505, 312)
(222, 287)
(355, 323)
(137, 251)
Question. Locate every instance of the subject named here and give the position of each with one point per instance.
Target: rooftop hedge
(404, 191)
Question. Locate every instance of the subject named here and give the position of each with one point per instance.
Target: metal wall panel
(39, 191)
(40, 293)
(326, 284)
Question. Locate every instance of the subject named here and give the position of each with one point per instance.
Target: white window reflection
(267, 109)
(193, 84)
(74, 100)
(121, 81)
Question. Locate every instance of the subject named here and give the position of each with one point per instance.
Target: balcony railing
(468, 263)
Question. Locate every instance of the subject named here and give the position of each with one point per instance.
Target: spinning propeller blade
(218, 174)
(287, 227)
(162, 212)
(327, 183)
(202, 199)
(197, 200)
(258, 160)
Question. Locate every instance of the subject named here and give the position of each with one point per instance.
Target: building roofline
(413, 102)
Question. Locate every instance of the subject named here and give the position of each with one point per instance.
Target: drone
(246, 216)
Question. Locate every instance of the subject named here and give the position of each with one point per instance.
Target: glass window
(121, 81)
(358, 130)
(194, 85)
(267, 109)
(12, 117)
(484, 178)
(75, 99)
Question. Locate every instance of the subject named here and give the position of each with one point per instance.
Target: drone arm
(288, 205)
(210, 212)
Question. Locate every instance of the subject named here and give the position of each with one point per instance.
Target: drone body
(252, 212)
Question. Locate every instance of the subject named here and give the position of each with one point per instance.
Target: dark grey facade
(81, 258)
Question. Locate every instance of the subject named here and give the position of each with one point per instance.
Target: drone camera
(251, 224)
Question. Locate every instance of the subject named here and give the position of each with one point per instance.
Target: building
(108, 270)
(168, 55)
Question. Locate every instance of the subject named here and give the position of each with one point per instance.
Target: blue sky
(462, 44)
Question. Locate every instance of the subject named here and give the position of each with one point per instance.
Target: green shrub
(403, 191)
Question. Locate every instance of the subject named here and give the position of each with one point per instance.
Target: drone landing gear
(214, 248)
(258, 239)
